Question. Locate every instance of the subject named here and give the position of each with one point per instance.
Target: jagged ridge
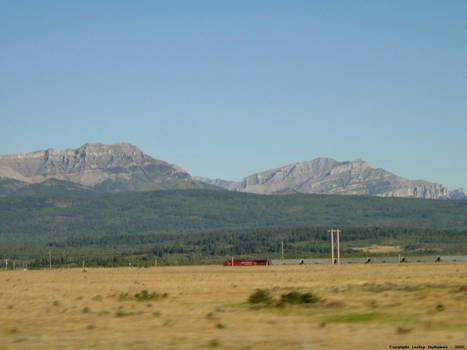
(110, 168)
(328, 176)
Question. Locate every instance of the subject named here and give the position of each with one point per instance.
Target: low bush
(124, 297)
(121, 313)
(214, 343)
(403, 330)
(296, 298)
(144, 295)
(260, 296)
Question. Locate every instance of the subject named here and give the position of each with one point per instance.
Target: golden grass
(364, 307)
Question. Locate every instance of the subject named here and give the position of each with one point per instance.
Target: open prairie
(199, 307)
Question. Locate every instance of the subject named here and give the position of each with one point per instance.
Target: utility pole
(331, 231)
(337, 232)
(338, 248)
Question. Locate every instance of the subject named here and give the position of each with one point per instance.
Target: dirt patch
(62, 205)
(379, 248)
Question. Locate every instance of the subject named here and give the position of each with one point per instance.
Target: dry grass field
(362, 307)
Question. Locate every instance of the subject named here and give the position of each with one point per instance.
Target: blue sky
(228, 88)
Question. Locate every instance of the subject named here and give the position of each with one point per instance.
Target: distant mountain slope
(228, 185)
(109, 168)
(54, 187)
(328, 176)
(458, 194)
(10, 186)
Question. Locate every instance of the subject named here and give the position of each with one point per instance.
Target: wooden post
(50, 260)
(332, 246)
(338, 248)
(282, 250)
(155, 261)
(232, 261)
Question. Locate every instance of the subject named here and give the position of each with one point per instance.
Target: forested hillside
(45, 218)
(165, 223)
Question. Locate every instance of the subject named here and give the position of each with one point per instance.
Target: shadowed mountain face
(328, 176)
(109, 168)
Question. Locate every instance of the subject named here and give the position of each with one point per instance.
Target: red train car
(246, 262)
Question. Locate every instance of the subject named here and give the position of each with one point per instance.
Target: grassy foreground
(360, 307)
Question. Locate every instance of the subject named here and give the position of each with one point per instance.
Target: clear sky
(228, 88)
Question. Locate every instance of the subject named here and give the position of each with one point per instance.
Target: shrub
(124, 297)
(402, 330)
(214, 343)
(261, 296)
(297, 298)
(211, 316)
(145, 295)
(13, 330)
(121, 313)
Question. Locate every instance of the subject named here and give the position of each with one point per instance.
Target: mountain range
(328, 176)
(96, 167)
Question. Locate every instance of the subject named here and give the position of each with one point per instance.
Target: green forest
(206, 226)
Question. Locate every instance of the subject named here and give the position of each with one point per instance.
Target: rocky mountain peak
(329, 176)
(120, 166)
(458, 193)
